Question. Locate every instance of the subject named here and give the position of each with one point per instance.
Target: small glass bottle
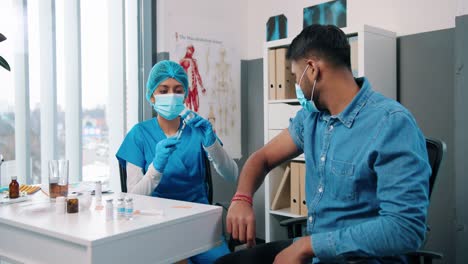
(72, 204)
(60, 205)
(129, 208)
(186, 114)
(109, 210)
(14, 188)
(98, 191)
(120, 208)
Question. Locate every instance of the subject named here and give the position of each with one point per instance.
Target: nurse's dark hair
(326, 42)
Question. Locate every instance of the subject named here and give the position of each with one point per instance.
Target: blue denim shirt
(367, 177)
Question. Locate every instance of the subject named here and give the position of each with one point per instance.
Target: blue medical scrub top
(184, 176)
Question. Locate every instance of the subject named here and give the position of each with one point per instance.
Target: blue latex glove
(205, 127)
(164, 149)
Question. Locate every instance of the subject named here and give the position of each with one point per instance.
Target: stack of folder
(280, 78)
(291, 190)
(298, 198)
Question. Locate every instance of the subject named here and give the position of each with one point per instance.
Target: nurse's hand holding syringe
(217, 155)
(163, 150)
(192, 119)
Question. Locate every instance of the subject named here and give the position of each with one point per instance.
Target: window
(34, 95)
(94, 57)
(7, 100)
(63, 90)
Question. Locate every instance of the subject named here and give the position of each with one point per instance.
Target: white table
(31, 232)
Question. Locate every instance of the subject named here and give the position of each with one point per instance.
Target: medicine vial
(120, 208)
(129, 208)
(109, 210)
(188, 115)
(98, 191)
(60, 205)
(13, 190)
(72, 204)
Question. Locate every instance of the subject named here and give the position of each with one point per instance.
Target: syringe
(188, 115)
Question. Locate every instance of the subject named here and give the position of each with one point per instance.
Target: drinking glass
(58, 178)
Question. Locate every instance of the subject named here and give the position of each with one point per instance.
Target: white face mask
(306, 104)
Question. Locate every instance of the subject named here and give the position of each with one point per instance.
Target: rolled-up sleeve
(296, 129)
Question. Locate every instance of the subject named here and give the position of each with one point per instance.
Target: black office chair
(123, 175)
(208, 179)
(296, 226)
(435, 150)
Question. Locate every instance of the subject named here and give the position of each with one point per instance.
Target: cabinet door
(279, 115)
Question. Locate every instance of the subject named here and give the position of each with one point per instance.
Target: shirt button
(311, 219)
(330, 128)
(320, 189)
(322, 158)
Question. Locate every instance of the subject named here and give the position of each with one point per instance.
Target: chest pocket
(343, 180)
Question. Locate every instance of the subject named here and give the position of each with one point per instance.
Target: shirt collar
(348, 115)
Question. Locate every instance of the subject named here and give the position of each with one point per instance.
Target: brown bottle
(72, 204)
(14, 188)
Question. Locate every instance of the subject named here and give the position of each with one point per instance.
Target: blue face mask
(169, 106)
(309, 106)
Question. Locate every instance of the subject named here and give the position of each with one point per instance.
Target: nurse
(165, 159)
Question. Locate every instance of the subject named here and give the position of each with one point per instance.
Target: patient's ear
(315, 71)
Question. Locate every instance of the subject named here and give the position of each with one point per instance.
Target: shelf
(278, 43)
(299, 158)
(284, 212)
(284, 101)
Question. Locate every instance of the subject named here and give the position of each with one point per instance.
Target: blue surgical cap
(162, 71)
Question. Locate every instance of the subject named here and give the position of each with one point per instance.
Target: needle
(184, 121)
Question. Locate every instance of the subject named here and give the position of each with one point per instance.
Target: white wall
(209, 18)
(247, 19)
(401, 16)
(462, 7)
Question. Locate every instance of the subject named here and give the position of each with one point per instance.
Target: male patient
(367, 179)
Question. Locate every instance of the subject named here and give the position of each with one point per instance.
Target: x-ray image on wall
(333, 13)
(277, 28)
